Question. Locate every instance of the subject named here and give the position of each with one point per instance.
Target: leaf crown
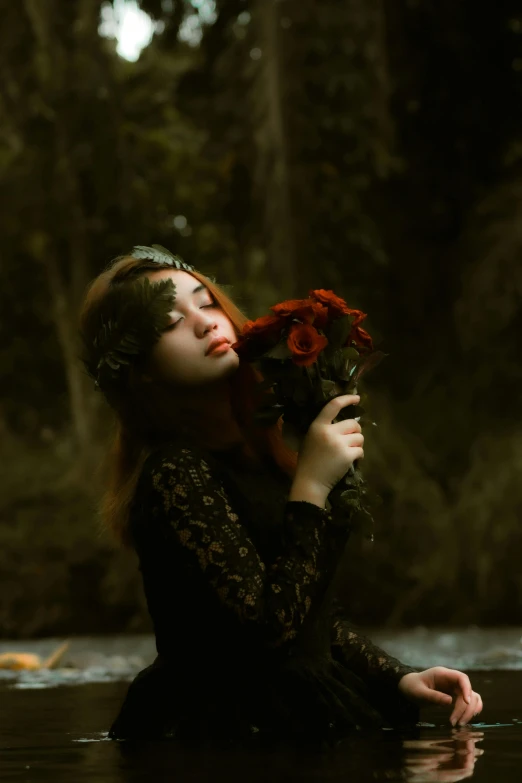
(159, 255)
(130, 319)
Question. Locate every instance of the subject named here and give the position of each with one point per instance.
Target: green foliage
(59, 572)
(159, 255)
(338, 331)
(402, 187)
(131, 320)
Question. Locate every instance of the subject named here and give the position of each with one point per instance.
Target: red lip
(215, 342)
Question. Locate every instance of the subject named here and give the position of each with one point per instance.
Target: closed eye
(171, 326)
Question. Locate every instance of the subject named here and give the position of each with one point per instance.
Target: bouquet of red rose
(309, 351)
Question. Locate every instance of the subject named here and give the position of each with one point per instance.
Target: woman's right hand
(329, 450)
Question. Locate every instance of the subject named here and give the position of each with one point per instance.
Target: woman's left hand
(440, 685)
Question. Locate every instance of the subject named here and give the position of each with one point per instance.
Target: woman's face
(180, 355)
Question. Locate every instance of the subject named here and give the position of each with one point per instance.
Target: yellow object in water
(15, 660)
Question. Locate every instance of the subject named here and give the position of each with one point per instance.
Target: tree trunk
(67, 339)
(273, 170)
(65, 295)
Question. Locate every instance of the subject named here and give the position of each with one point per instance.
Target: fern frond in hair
(160, 255)
(126, 326)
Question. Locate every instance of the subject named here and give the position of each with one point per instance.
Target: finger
(433, 696)
(477, 705)
(458, 710)
(470, 710)
(347, 426)
(464, 684)
(332, 408)
(355, 439)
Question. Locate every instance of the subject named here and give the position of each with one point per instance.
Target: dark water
(57, 732)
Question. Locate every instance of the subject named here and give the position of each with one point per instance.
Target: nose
(206, 323)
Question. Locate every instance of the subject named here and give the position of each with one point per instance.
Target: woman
(236, 538)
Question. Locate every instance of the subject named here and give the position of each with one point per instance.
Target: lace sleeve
(359, 654)
(272, 600)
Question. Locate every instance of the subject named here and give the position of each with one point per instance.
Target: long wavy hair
(138, 426)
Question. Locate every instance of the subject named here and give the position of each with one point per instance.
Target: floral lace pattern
(200, 517)
(236, 579)
(361, 655)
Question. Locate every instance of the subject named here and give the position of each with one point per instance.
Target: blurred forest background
(369, 146)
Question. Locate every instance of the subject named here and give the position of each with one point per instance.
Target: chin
(232, 364)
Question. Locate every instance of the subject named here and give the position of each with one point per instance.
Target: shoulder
(181, 460)
(172, 476)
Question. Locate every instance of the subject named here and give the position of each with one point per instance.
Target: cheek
(174, 360)
(165, 356)
(222, 320)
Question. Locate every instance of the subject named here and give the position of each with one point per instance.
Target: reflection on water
(53, 724)
(60, 734)
(447, 760)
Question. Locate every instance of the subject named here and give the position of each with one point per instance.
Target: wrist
(405, 681)
(304, 489)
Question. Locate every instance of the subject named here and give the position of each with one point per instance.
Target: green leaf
(350, 353)
(368, 363)
(330, 388)
(128, 323)
(347, 362)
(158, 254)
(339, 330)
(350, 494)
(275, 369)
(280, 351)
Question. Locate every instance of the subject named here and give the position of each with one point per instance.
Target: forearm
(362, 656)
(381, 673)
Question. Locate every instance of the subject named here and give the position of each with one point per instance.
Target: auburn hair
(132, 441)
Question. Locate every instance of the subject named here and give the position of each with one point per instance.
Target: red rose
(358, 316)
(305, 344)
(256, 336)
(307, 310)
(321, 315)
(336, 305)
(361, 338)
(266, 325)
(289, 306)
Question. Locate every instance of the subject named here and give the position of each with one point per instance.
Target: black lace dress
(235, 577)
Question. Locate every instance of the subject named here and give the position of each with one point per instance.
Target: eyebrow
(198, 288)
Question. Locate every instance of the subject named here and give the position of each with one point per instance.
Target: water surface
(53, 725)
